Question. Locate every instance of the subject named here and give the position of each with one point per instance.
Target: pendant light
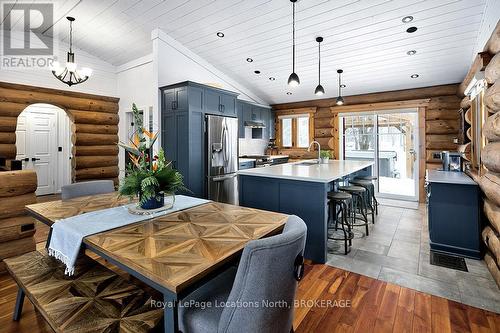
(69, 74)
(340, 99)
(319, 89)
(293, 79)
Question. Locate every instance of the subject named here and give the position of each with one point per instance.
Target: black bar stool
(340, 200)
(371, 179)
(369, 194)
(358, 203)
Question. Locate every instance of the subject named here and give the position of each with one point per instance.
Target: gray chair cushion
(265, 273)
(197, 319)
(87, 188)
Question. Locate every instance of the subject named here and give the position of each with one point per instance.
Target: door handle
(33, 159)
(222, 178)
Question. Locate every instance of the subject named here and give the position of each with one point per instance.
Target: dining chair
(87, 188)
(259, 295)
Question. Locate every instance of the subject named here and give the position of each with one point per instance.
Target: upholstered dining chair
(87, 188)
(258, 296)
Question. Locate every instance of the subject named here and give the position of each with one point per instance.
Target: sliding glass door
(390, 140)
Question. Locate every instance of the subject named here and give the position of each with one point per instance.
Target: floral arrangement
(149, 176)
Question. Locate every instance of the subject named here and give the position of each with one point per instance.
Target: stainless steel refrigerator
(222, 159)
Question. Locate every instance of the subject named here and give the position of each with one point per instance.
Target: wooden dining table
(173, 253)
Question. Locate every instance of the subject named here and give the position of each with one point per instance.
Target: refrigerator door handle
(222, 178)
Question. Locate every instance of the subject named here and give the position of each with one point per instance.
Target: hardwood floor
(374, 306)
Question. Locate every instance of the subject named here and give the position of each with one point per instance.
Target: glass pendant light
(293, 79)
(319, 89)
(340, 99)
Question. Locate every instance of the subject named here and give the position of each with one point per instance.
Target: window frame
(294, 114)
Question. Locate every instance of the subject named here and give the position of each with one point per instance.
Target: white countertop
(449, 177)
(322, 173)
(244, 160)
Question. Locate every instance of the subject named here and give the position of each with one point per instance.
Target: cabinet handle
(174, 105)
(223, 108)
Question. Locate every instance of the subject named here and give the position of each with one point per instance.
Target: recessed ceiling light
(411, 30)
(249, 60)
(343, 86)
(414, 76)
(220, 34)
(272, 78)
(407, 19)
(288, 93)
(256, 72)
(411, 52)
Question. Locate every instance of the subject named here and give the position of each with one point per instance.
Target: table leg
(48, 238)
(170, 319)
(19, 304)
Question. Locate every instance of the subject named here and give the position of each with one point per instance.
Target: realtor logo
(27, 35)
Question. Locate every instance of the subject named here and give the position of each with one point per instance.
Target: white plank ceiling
(366, 38)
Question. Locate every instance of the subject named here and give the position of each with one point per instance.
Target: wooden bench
(95, 299)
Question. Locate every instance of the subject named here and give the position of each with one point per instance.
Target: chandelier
(69, 74)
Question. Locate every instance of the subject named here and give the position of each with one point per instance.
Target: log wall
(95, 127)
(441, 121)
(17, 189)
(490, 157)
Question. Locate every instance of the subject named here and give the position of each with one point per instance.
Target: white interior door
(36, 136)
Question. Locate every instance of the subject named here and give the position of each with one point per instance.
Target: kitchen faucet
(319, 148)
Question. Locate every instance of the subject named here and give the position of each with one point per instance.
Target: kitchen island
(299, 188)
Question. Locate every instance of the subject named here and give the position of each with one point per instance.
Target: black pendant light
(319, 89)
(293, 79)
(340, 99)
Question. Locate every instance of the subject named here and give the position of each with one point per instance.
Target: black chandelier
(319, 89)
(293, 79)
(69, 74)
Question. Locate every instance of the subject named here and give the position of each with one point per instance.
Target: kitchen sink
(308, 163)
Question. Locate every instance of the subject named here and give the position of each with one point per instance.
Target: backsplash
(252, 146)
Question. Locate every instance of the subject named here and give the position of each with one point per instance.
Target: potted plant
(324, 156)
(149, 176)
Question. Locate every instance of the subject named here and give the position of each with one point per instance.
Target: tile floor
(397, 251)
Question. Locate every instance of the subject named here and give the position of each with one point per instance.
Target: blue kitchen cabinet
(184, 106)
(454, 216)
(248, 111)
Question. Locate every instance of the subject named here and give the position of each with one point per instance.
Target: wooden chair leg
(19, 305)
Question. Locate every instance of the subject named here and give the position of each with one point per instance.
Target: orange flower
(155, 166)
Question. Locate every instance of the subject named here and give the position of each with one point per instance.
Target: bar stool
(369, 194)
(340, 200)
(358, 203)
(371, 179)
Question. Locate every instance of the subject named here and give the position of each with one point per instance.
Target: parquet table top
(51, 211)
(177, 249)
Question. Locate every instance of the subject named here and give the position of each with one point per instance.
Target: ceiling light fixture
(319, 89)
(293, 79)
(249, 60)
(340, 99)
(220, 34)
(272, 78)
(414, 76)
(256, 72)
(69, 74)
(288, 93)
(411, 30)
(411, 52)
(407, 19)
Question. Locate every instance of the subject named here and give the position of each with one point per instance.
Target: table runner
(68, 234)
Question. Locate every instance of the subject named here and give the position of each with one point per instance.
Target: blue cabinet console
(184, 106)
(454, 213)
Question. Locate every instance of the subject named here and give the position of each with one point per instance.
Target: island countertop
(321, 173)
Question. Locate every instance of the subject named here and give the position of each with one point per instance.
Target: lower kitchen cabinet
(454, 218)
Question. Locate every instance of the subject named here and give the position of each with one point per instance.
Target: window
(295, 131)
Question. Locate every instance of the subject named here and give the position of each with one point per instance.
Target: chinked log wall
(441, 120)
(17, 189)
(94, 125)
(490, 157)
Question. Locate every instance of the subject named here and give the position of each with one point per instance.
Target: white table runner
(68, 234)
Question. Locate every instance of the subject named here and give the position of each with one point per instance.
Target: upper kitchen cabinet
(258, 115)
(220, 102)
(175, 99)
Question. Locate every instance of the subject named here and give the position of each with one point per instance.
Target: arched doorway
(43, 143)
